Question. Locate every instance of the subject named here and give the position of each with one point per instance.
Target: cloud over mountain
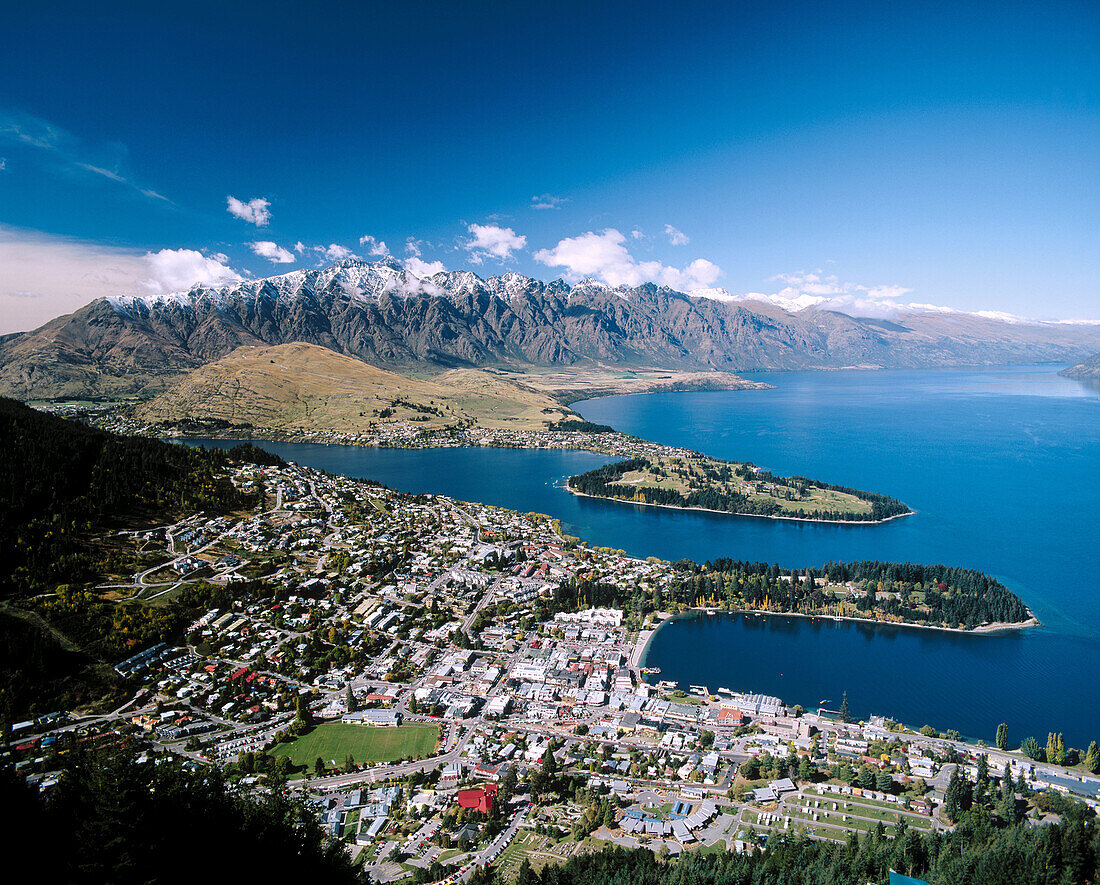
(375, 247)
(173, 270)
(45, 276)
(493, 241)
(605, 257)
(273, 252)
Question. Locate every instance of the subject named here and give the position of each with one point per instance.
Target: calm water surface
(1003, 467)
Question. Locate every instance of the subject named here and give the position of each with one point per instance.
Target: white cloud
(34, 132)
(604, 256)
(46, 276)
(547, 201)
(493, 241)
(817, 289)
(420, 268)
(637, 234)
(697, 274)
(676, 237)
(272, 252)
(331, 252)
(69, 153)
(175, 270)
(412, 246)
(256, 211)
(375, 247)
(99, 170)
(828, 292)
(334, 252)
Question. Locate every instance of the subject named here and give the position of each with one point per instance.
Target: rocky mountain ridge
(382, 314)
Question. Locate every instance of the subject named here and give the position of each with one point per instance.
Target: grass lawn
(684, 476)
(334, 740)
(856, 814)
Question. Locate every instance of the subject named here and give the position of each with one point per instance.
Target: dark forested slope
(974, 854)
(60, 480)
(111, 819)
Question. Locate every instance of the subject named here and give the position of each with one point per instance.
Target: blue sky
(860, 153)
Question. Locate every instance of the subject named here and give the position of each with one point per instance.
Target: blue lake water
(1003, 467)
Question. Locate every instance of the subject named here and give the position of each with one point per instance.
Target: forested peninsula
(698, 482)
(901, 593)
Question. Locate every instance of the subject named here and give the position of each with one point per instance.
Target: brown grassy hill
(306, 387)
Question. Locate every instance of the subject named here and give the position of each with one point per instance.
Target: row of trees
(970, 854)
(1055, 750)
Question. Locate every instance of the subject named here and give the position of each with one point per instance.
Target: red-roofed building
(730, 716)
(477, 800)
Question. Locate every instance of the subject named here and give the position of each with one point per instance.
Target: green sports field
(332, 741)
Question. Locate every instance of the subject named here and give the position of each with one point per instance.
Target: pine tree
(1006, 808)
(982, 781)
(1092, 758)
(952, 796)
(1021, 784)
(844, 715)
(1002, 736)
(526, 875)
(983, 769)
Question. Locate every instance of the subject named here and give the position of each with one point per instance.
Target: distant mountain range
(381, 314)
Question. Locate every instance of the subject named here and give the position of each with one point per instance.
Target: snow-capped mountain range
(385, 315)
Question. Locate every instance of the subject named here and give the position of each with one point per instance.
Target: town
(400, 661)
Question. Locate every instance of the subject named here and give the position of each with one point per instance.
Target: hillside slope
(307, 387)
(1089, 370)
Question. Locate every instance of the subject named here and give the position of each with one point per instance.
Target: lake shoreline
(911, 512)
(697, 611)
(441, 442)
